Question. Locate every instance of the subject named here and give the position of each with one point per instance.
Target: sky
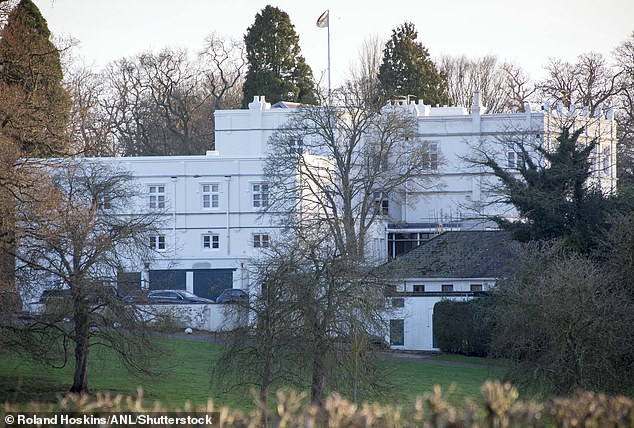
(525, 32)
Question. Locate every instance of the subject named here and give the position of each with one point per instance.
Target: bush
(565, 324)
(463, 327)
(498, 407)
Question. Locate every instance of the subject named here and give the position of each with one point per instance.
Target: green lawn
(416, 378)
(187, 371)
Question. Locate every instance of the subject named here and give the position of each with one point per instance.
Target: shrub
(498, 407)
(565, 324)
(463, 327)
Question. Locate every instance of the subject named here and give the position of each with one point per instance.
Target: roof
(287, 105)
(464, 254)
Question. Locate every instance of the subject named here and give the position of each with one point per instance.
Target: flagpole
(324, 21)
(329, 88)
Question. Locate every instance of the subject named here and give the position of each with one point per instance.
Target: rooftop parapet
(574, 111)
(259, 103)
(421, 109)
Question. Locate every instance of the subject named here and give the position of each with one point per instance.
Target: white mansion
(211, 204)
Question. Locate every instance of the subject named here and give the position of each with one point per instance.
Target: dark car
(175, 296)
(55, 294)
(233, 295)
(136, 296)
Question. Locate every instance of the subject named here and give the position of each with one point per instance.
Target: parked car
(136, 296)
(93, 295)
(55, 294)
(233, 295)
(175, 296)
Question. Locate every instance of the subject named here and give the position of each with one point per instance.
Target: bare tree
(265, 352)
(351, 160)
(519, 87)
(365, 70)
(332, 171)
(5, 9)
(73, 233)
(158, 106)
(588, 82)
(90, 127)
(625, 113)
(223, 64)
(315, 320)
(504, 87)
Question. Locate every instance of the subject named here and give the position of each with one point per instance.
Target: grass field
(187, 372)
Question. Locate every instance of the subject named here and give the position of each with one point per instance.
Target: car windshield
(188, 294)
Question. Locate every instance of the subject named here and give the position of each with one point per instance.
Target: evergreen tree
(407, 69)
(34, 111)
(552, 195)
(276, 67)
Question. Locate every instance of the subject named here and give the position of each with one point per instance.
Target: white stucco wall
(418, 308)
(212, 317)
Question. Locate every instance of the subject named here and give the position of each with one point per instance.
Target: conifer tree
(34, 110)
(407, 69)
(550, 191)
(276, 67)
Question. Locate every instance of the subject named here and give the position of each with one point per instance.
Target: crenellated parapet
(573, 111)
(420, 109)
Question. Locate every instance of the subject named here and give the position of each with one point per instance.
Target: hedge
(463, 327)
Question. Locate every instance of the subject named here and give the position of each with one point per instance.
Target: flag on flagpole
(323, 21)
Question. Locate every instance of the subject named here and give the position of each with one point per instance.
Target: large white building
(462, 196)
(212, 226)
(211, 207)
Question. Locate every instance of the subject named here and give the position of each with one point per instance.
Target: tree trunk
(319, 375)
(80, 377)
(9, 295)
(264, 390)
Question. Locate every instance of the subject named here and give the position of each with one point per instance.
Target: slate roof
(287, 105)
(464, 254)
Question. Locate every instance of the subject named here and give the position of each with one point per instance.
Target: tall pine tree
(276, 67)
(407, 70)
(34, 112)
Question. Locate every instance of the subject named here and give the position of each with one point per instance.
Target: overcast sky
(527, 32)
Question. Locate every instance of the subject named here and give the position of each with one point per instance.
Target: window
(210, 195)
(261, 240)
(296, 146)
(476, 287)
(419, 288)
(104, 202)
(378, 162)
(514, 157)
(157, 242)
(211, 242)
(157, 197)
(430, 159)
(607, 161)
(381, 203)
(447, 288)
(400, 243)
(397, 332)
(398, 302)
(260, 195)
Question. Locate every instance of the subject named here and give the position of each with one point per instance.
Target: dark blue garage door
(209, 283)
(168, 280)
